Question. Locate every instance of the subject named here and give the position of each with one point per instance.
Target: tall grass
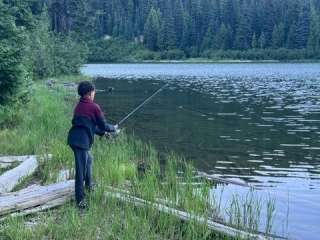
(43, 129)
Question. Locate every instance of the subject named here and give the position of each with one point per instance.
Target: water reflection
(255, 122)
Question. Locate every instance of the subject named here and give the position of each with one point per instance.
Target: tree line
(41, 38)
(196, 27)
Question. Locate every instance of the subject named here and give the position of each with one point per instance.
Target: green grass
(42, 128)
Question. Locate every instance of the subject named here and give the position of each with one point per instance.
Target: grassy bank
(41, 127)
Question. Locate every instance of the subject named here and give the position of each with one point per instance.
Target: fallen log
(28, 165)
(49, 205)
(5, 165)
(40, 197)
(28, 189)
(185, 216)
(11, 178)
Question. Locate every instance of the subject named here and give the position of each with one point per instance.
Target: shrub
(13, 63)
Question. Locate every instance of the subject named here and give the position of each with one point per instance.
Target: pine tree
(41, 47)
(262, 41)
(314, 38)
(216, 14)
(228, 13)
(189, 37)
(78, 18)
(224, 37)
(268, 21)
(278, 35)
(178, 20)
(254, 41)
(208, 39)
(206, 16)
(151, 30)
(291, 15)
(243, 34)
(303, 27)
(13, 61)
(196, 23)
(292, 42)
(167, 36)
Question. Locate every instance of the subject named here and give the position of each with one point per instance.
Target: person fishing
(88, 120)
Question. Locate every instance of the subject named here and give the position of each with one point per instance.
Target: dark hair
(85, 87)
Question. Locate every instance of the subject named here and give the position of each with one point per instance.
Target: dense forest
(245, 29)
(41, 38)
(29, 50)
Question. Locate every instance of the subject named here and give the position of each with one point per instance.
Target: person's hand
(116, 129)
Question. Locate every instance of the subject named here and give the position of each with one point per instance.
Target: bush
(174, 54)
(68, 55)
(10, 115)
(41, 50)
(112, 50)
(13, 62)
(146, 54)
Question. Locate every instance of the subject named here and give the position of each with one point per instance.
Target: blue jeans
(83, 163)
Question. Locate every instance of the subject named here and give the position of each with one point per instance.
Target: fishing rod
(110, 135)
(200, 174)
(142, 104)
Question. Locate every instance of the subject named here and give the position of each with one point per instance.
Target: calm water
(256, 122)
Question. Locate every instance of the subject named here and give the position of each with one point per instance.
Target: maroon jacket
(88, 119)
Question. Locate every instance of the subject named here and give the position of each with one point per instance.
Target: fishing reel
(112, 135)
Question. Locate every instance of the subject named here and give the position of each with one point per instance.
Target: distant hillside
(196, 27)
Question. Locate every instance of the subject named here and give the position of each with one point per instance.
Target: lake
(254, 122)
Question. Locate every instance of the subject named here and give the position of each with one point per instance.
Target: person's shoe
(83, 205)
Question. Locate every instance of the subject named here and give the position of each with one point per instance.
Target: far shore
(202, 60)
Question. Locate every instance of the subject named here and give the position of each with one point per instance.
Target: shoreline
(208, 61)
(115, 164)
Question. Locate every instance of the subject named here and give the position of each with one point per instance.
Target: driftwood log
(28, 165)
(36, 198)
(11, 178)
(5, 165)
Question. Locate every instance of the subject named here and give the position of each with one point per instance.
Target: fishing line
(142, 104)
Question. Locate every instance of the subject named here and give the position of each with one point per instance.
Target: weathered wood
(11, 178)
(35, 189)
(49, 205)
(185, 216)
(35, 197)
(5, 165)
(158, 200)
(28, 189)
